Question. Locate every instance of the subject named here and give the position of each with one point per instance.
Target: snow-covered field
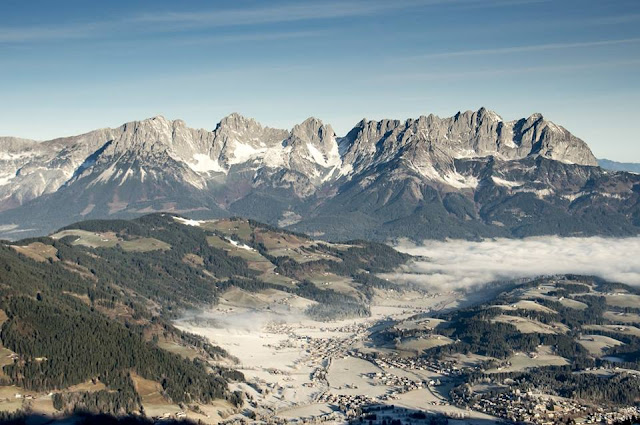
(299, 368)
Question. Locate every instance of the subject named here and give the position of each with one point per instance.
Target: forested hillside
(58, 324)
(93, 303)
(574, 337)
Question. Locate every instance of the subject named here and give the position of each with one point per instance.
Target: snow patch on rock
(506, 183)
(205, 164)
(243, 152)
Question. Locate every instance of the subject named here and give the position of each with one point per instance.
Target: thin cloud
(524, 49)
(505, 3)
(168, 22)
(503, 71)
(613, 20)
(463, 264)
(303, 11)
(280, 13)
(63, 32)
(257, 37)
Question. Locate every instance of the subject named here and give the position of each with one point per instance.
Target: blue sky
(67, 67)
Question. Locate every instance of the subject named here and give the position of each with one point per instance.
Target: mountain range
(607, 164)
(468, 176)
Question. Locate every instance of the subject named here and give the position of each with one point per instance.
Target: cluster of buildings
(350, 405)
(328, 418)
(441, 367)
(517, 406)
(402, 384)
(388, 414)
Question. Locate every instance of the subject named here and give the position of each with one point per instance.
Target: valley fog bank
(239, 319)
(457, 264)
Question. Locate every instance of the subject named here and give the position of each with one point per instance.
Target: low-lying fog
(246, 320)
(457, 263)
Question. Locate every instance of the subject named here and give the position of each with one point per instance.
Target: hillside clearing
(598, 344)
(37, 251)
(525, 325)
(110, 240)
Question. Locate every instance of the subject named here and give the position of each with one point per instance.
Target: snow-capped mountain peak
(161, 164)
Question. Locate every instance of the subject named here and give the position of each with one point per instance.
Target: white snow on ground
(329, 174)
(428, 171)
(459, 181)
(276, 156)
(331, 160)
(346, 169)
(283, 354)
(6, 178)
(204, 164)
(506, 183)
(239, 245)
(7, 156)
(540, 193)
(452, 178)
(466, 153)
(105, 176)
(316, 155)
(126, 176)
(334, 159)
(189, 222)
(244, 152)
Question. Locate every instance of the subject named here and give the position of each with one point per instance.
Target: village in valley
(350, 371)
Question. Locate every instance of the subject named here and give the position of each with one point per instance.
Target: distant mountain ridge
(470, 175)
(607, 164)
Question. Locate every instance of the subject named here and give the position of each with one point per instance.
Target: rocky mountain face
(470, 175)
